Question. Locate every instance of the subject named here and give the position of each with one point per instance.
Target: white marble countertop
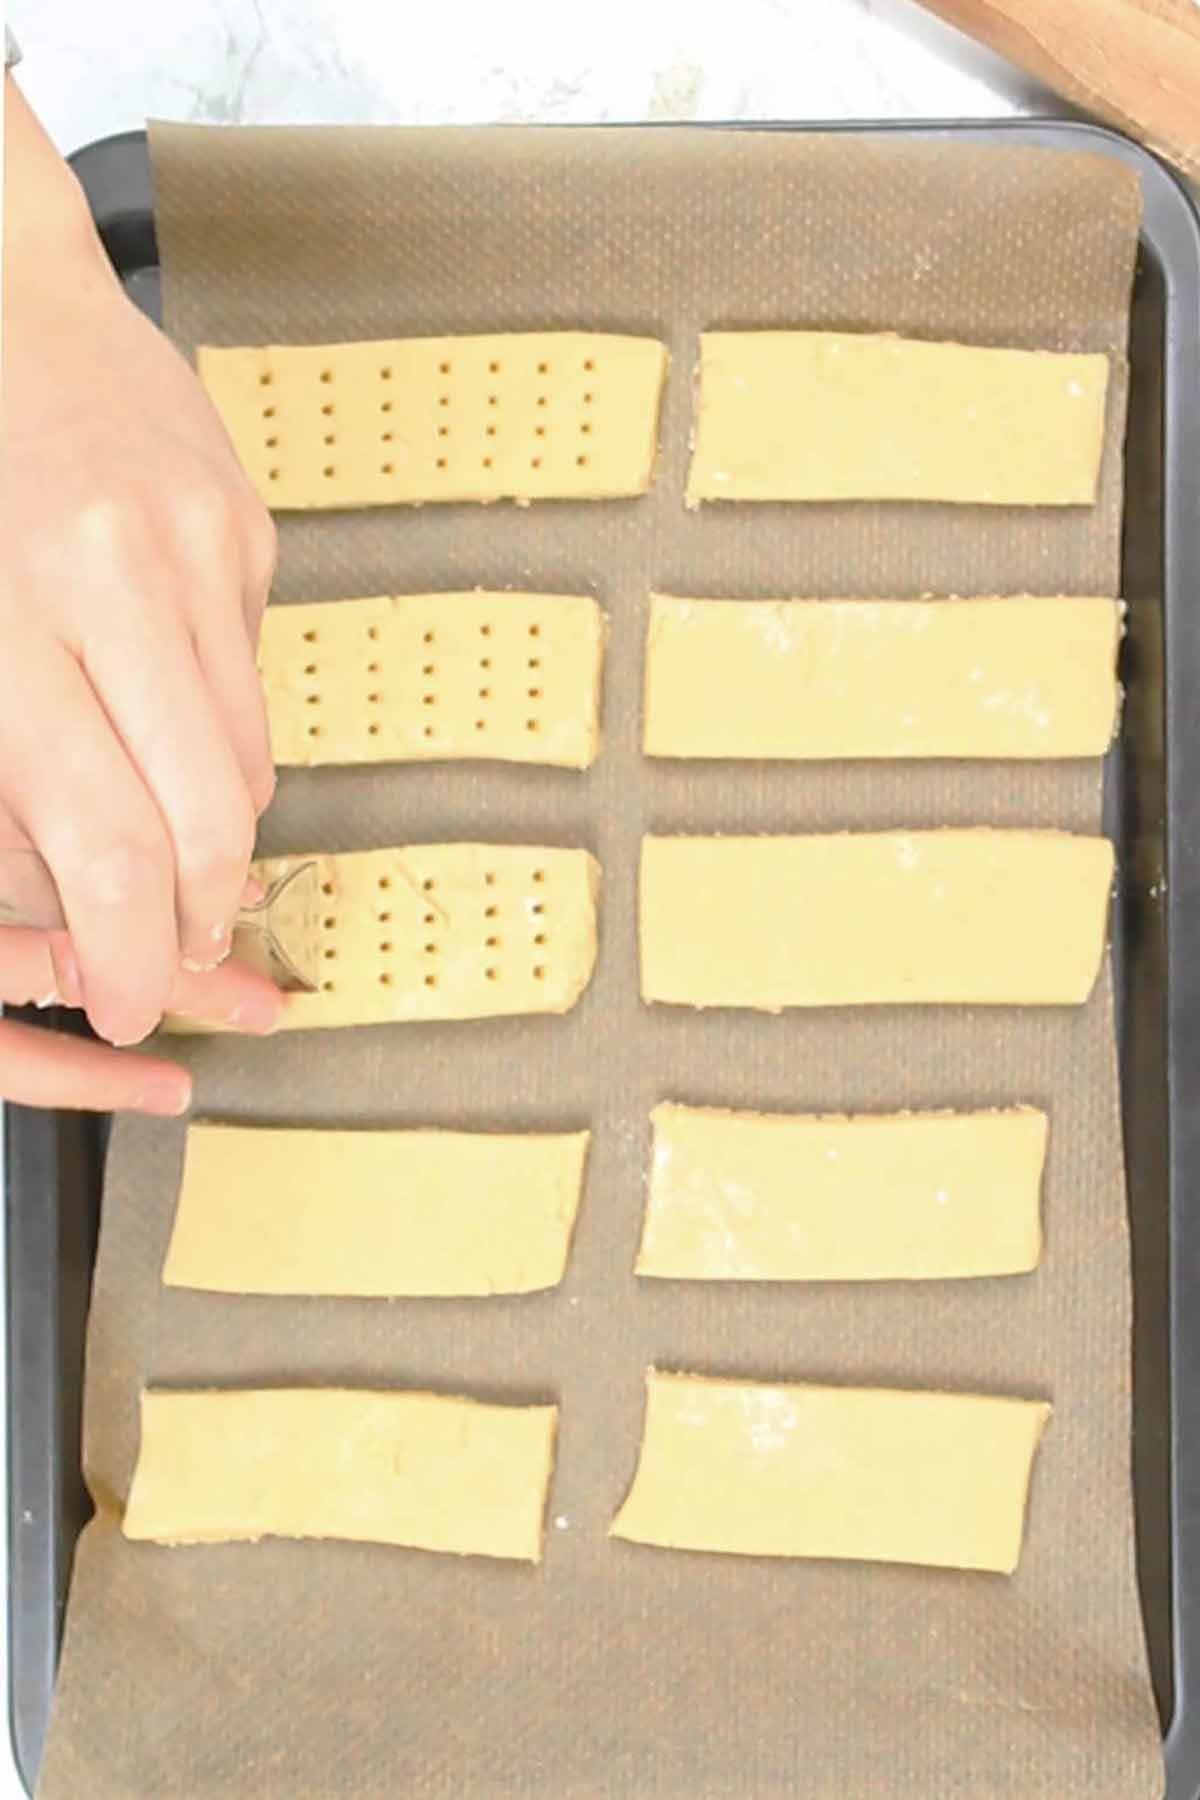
(91, 69)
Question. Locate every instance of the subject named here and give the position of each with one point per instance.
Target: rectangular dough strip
(811, 679)
(876, 1197)
(278, 1211)
(415, 677)
(568, 415)
(426, 1471)
(859, 1474)
(441, 931)
(834, 415)
(946, 917)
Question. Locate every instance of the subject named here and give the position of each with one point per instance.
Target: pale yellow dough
(808, 679)
(374, 1212)
(513, 677)
(870, 918)
(832, 415)
(443, 931)
(784, 1197)
(426, 1471)
(866, 1474)
(526, 416)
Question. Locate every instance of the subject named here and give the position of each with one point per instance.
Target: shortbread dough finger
(441, 931)
(871, 918)
(834, 415)
(865, 1474)
(418, 677)
(276, 1211)
(810, 679)
(427, 1471)
(526, 416)
(786, 1197)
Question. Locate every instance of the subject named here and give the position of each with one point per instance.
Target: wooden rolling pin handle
(1134, 62)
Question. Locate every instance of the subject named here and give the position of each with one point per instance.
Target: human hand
(49, 1068)
(135, 561)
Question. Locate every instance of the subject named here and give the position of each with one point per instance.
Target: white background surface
(93, 67)
(96, 66)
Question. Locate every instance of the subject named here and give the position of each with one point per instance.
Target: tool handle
(1134, 62)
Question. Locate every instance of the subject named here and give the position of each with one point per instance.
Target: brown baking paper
(285, 1670)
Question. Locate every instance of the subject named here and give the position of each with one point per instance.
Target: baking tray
(54, 1161)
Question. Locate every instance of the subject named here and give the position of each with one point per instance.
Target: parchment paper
(281, 1670)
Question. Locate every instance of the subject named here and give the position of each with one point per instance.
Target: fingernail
(167, 1096)
(253, 892)
(125, 1033)
(68, 980)
(196, 966)
(261, 1013)
(50, 999)
(263, 784)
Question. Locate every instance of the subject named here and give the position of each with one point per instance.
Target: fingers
(232, 995)
(225, 607)
(11, 835)
(38, 968)
(233, 682)
(256, 531)
(159, 703)
(260, 551)
(83, 804)
(45, 1068)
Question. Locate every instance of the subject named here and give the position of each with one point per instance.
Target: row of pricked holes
(442, 462)
(267, 379)
(443, 431)
(428, 637)
(535, 462)
(485, 663)
(373, 668)
(428, 886)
